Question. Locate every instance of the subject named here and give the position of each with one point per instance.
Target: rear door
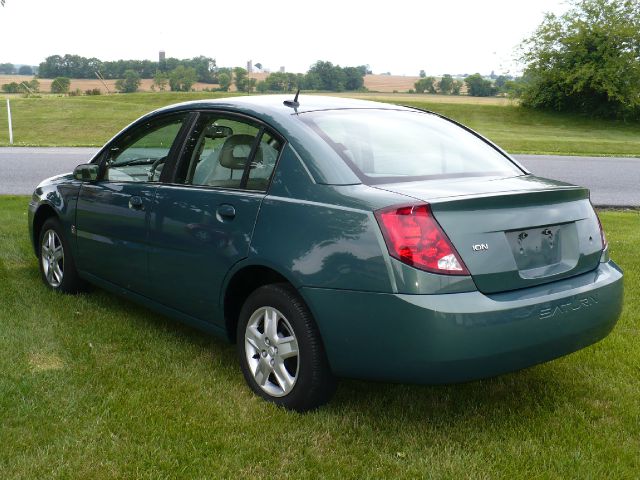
(202, 221)
(113, 213)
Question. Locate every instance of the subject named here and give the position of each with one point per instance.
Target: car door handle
(226, 211)
(135, 203)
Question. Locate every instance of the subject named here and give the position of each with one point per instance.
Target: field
(377, 83)
(92, 120)
(93, 386)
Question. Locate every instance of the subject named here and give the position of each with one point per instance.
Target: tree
(456, 86)
(479, 87)
(7, 68)
(354, 78)
(423, 74)
(327, 76)
(25, 70)
(160, 80)
(129, 83)
(181, 78)
(587, 60)
(240, 78)
(250, 85)
(60, 85)
(445, 85)
(425, 84)
(224, 80)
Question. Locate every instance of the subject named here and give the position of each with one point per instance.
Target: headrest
(236, 150)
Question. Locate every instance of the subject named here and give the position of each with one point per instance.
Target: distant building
(162, 62)
(250, 66)
(281, 69)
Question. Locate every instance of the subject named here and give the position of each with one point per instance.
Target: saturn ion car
(333, 238)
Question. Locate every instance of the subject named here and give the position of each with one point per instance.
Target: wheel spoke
(57, 272)
(284, 378)
(51, 240)
(49, 273)
(287, 347)
(254, 337)
(271, 323)
(263, 370)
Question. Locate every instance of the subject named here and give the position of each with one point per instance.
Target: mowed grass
(91, 121)
(93, 386)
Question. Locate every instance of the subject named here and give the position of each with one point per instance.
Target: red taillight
(414, 237)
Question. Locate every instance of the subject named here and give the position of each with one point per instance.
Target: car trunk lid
(513, 232)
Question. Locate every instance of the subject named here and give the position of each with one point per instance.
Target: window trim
(183, 162)
(146, 124)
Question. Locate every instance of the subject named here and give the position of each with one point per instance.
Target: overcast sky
(401, 37)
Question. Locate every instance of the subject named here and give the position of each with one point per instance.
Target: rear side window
(393, 145)
(229, 153)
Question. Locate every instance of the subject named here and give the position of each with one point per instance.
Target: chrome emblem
(478, 247)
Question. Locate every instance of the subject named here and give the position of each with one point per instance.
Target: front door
(201, 224)
(113, 213)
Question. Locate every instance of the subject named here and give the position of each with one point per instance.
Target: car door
(112, 214)
(202, 221)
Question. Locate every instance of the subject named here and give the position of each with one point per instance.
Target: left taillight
(414, 237)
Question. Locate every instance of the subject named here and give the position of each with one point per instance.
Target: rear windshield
(384, 146)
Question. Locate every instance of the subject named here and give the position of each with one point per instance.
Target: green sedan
(332, 238)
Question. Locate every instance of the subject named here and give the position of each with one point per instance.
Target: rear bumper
(457, 337)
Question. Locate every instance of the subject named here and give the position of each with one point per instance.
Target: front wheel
(280, 350)
(57, 266)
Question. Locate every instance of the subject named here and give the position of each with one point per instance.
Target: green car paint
(525, 301)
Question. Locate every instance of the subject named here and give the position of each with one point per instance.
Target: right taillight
(414, 237)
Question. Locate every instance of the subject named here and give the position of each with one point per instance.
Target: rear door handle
(226, 211)
(135, 203)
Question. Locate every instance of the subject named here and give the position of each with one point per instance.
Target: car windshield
(397, 145)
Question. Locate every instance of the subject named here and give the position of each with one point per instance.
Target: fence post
(10, 126)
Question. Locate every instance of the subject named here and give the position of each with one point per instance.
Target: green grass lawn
(93, 386)
(91, 121)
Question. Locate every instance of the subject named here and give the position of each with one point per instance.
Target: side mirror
(87, 172)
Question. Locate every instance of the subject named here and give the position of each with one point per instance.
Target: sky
(401, 37)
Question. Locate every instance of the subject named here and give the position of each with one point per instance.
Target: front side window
(230, 153)
(140, 155)
(394, 145)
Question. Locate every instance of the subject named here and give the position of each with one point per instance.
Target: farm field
(92, 120)
(378, 83)
(93, 386)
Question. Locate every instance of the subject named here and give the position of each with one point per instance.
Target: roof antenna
(293, 103)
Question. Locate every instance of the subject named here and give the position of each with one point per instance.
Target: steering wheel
(155, 166)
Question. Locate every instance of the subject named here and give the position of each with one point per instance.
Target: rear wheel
(57, 266)
(280, 350)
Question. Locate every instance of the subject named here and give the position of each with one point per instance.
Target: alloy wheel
(52, 258)
(271, 350)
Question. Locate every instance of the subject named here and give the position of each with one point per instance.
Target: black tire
(314, 383)
(65, 277)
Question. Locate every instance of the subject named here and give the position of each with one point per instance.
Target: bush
(60, 85)
(12, 87)
(130, 82)
(93, 91)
